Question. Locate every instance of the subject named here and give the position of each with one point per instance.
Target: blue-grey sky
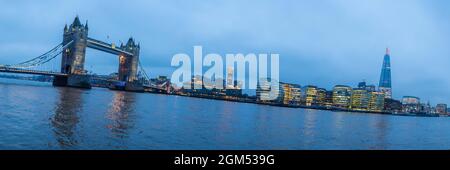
(322, 43)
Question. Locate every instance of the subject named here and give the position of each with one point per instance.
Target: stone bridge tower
(129, 64)
(73, 56)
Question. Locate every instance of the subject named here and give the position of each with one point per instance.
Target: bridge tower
(73, 56)
(129, 64)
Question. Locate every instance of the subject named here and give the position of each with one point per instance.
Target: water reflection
(65, 118)
(68, 118)
(120, 113)
(310, 122)
(381, 129)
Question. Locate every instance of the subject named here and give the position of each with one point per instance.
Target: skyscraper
(385, 85)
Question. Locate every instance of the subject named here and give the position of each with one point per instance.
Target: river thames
(36, 115)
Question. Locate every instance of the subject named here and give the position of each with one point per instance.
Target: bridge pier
(77, 81)
(134, 86)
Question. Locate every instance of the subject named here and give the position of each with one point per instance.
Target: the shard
(385, 85)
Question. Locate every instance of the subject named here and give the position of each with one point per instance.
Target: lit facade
(291, 93)
(321, 96)
(410, 104)
(311, 95)
(360, 99)
(266, 91)
(328, 99)
(376, 102)
(342, 96)
(73, 57)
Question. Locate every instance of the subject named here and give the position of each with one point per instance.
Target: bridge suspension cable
(147, 81)
(142, 70)
(42, 59)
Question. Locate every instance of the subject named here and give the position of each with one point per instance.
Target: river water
(36, 115)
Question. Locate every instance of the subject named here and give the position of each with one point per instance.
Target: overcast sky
(322, 43)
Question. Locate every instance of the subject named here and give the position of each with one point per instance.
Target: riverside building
(342, 96)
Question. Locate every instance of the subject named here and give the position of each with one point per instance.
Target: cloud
(320, 42)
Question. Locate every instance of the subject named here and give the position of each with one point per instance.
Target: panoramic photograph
(224, 75)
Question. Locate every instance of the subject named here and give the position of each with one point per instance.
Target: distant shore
(251, 101)
(305, 107)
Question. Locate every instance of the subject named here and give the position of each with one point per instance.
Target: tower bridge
(73, 56)
(73, 53)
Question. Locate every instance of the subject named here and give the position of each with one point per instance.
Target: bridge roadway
(106, 47)
(92, 43)
(50, 73)
(34, 72)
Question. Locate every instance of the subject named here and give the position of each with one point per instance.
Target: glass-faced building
(376, 101)
(321, 97)
(342, 96)
(328, 99)
(369, 88)
(291, 93)
(360, 99)
(385, 85)
(410, 104)
(311, 95)
(269, 91)
(392, 105)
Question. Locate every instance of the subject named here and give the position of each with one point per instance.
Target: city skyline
(421, 40)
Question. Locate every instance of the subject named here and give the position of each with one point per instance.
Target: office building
(441, 109)
(360, 99)
(411, 104)
(321, 97)
(376, 101)
(311, 95)
(342, 96)
(392, 105)
(291, 94)
(269, 91)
